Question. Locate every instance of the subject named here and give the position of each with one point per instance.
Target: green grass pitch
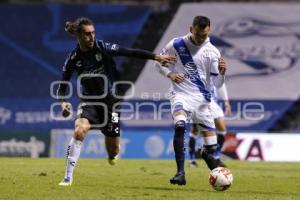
(23, 178)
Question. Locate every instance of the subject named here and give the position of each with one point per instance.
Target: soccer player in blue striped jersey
(198, 66)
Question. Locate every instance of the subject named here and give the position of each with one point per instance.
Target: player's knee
(80, 133)
(179, 123)
(82, 126)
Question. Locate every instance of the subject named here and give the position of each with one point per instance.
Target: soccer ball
(220, 178)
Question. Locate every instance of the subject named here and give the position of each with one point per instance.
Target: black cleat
(193, 163)
(178, 179)
(222, 164)
(210, 161)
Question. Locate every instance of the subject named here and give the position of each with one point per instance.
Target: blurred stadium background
(260, 41)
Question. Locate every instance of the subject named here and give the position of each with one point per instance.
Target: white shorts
(216, 110)
(198, 111)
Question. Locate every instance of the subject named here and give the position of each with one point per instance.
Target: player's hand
(66, 109)
(222, 66)
(176, 77)
(165, 59)
(227, 108)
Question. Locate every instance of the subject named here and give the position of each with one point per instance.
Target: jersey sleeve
(111, 48)
(67, 71)
(117, 50)
(214, 62)
(167, 50)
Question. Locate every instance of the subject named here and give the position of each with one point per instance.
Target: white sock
(73, 153)
(221, 132)
(210, 140)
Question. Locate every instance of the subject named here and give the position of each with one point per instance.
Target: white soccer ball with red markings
(220, 178)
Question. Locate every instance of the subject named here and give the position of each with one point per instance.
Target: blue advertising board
(135, 143)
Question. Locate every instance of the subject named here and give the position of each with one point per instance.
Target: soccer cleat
(66, 182)
(193, 163)
(222, 164)
(178, 179)
(113, 161)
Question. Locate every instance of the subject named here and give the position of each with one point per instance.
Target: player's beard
(89, 45)
(199, 42)
(196, 42)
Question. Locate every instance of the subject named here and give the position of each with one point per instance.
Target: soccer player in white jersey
(198, 62)
(218, 115)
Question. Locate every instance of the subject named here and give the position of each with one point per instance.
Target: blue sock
(192, 151)
(178, 143)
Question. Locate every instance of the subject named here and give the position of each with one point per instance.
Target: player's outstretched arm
(116, 50)
(165, 59)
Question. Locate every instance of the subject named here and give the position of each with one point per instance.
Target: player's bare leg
(113, 148)
(82, 126)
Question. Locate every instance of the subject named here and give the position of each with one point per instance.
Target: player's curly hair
(75, 27)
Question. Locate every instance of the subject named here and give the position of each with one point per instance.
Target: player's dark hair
(201, 21)
(76, 26)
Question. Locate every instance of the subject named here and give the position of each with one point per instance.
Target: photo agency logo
(151, 107)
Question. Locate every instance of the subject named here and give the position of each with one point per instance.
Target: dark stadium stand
(148, 39)
(290, 120)
(34, 44)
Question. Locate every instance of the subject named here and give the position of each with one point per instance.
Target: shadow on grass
(173, 188)
(271, 193)
(208, 190)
